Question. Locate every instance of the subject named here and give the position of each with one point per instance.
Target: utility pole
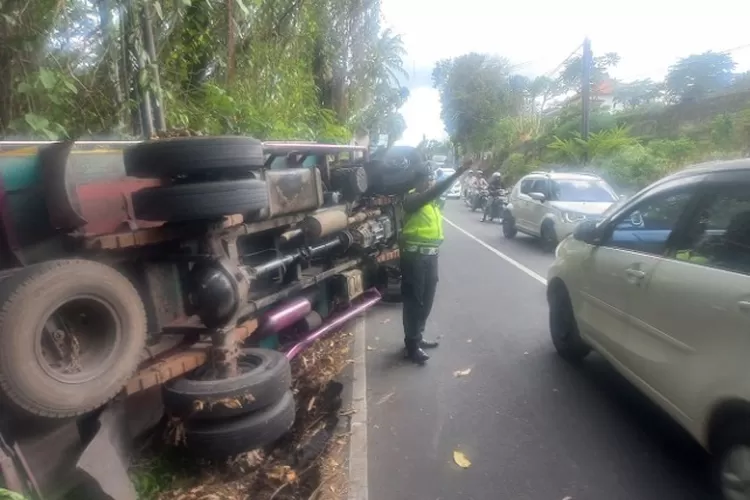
(587, 62)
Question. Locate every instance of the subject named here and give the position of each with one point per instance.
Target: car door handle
(635, 273)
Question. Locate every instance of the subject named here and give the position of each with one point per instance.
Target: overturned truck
(199, 265)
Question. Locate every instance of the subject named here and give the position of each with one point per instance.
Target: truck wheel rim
(77, 339)
(735, 474)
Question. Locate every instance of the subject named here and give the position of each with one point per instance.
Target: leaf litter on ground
(461, 460)
(462, 373)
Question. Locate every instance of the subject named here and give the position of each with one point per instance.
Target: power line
(559, 66)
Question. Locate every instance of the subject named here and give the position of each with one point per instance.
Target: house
(602, 97)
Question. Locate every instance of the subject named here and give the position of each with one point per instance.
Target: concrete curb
(354, 398)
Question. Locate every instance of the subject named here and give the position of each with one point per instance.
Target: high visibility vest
(423, 227)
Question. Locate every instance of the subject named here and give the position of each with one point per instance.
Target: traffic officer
(420, 240)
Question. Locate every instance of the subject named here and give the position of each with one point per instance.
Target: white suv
(548, 205)
(646, 287)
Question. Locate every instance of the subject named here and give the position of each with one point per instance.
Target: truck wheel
(229, 437)
(350, 181)
(265, 376)
(200, 201)
(72, 333)
(186, 156)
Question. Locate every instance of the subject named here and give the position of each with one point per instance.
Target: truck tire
(186, 156)
(200, 201)
(50, 308)
(217, 439)
(265, 376)
(350, 181)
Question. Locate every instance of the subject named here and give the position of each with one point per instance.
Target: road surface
(533, 427)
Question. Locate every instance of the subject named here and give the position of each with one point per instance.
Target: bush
(678, 152)
(633, 166)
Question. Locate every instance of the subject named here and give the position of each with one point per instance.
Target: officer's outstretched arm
(414, 202)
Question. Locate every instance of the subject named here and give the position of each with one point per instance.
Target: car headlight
(573, 218)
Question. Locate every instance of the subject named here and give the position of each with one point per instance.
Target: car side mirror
(538, 197)
(586, 232)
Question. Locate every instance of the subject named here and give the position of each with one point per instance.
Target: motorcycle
(478, 199)
(494, 206)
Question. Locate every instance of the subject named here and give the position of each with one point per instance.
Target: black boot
(428, 344)
(416, 354)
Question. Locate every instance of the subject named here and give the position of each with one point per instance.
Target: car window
(540, 186)
(526, 185)
(718, 235)
(647, 227)
(583, 190)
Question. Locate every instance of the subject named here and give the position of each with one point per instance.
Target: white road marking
(358, 487)
(541, 279)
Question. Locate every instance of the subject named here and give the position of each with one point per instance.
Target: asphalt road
(534, 427)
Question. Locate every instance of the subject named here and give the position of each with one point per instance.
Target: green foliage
(10, 495)
(516, 166)
(676, 152)
(286, 69)
(637, 93)
(600, 144)
(570, 77)
(475, 92)
(698, 75)
(632, 166)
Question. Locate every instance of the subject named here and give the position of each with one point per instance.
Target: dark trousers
(419, 279)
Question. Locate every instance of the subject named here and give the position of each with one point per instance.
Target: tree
(570, 76)
(475, 92)
(270, 68)
(695, 76)
(637, 93)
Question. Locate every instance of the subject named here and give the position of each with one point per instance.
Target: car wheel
(200, 201)
(731, 455)
(549, 238)
(186, 156)
(72, 334)
(562, 325)
(217, 439)
(264, 377)
(509, 226)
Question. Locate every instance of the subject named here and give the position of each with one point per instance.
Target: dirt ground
(307, 464)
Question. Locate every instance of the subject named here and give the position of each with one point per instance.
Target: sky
(536, 35)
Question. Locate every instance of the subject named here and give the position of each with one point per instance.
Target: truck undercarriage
(123, 276)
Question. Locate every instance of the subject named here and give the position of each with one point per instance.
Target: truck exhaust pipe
(370, 298)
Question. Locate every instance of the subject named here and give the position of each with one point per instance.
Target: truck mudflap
(105, 460)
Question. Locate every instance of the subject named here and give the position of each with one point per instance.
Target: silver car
(548, 205)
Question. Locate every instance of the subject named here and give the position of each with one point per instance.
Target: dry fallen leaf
(370, 348)
(461, 460)
(386, 320)
(462, 373)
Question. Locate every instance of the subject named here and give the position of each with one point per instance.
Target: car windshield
(582, 191)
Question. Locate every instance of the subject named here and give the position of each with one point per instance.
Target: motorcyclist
(496, 183)
(481, 181)
(469, 184)
(494, 187)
